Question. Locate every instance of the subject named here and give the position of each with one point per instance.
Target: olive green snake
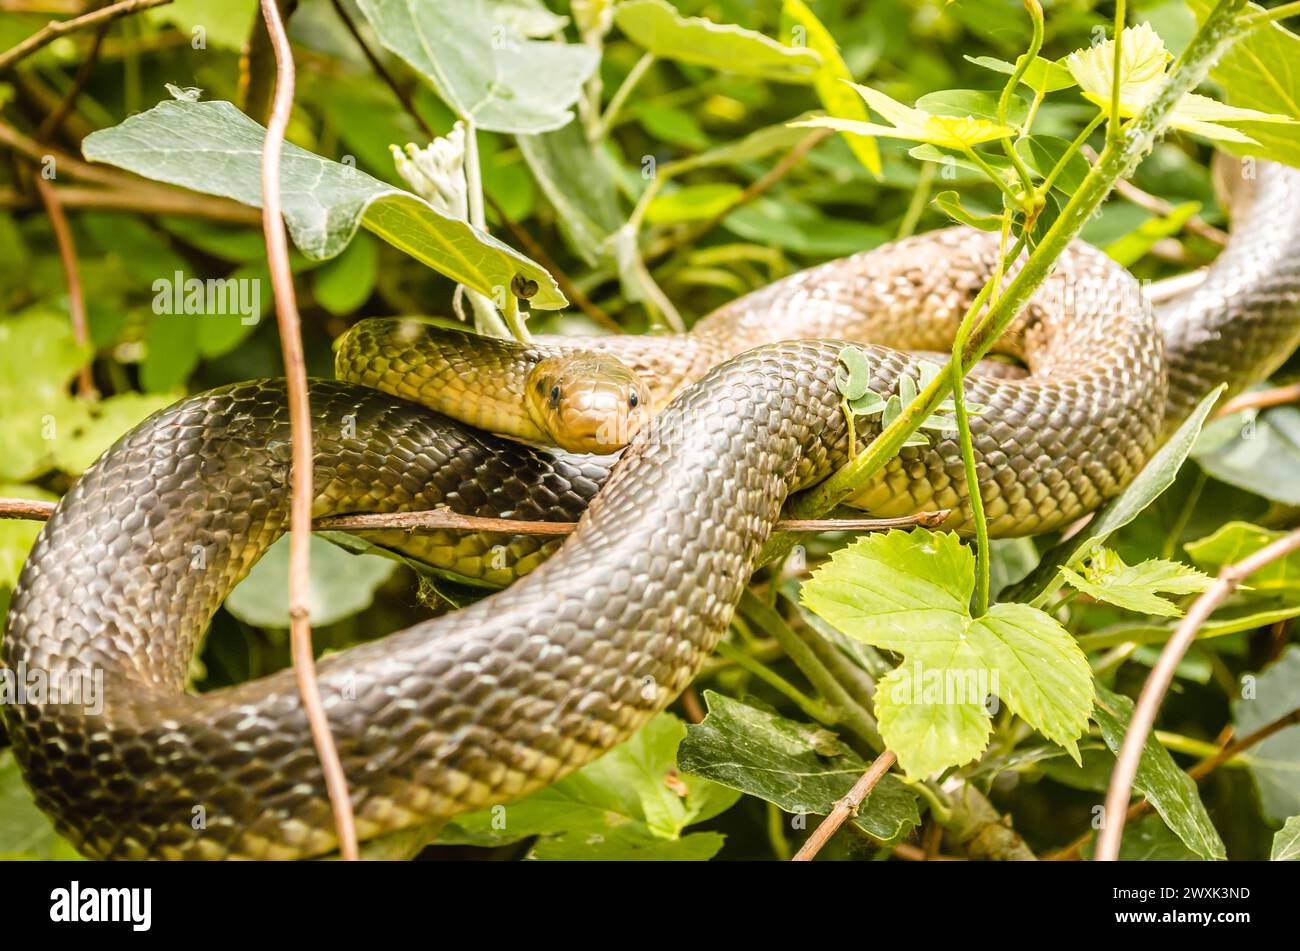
(496, 700)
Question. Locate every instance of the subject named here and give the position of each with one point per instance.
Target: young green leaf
(1286, 842)
(1274, 763)
(1137, 587)
(949, 202)
(657, 27)
(1042, 153)
(917, 125)
(1131, 248)
(692, 203)
(798, 767)
(853, 374)
(1042, 76)
(910, 592)
(831, 78)
(971, 102)
(1171, 791)
(1258, 451)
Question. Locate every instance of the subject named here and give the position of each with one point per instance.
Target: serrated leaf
(1171, 791)
(798, 767)
(1286, 842)
(1137, 587)
(657, 27)
(910, 592)
(1232, 542)
(481, 66)
(629, 804)
(831, 79)
(1155, 477)
(324, 202)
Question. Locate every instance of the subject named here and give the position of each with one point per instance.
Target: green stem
(1075, 146)
(1272, 16)
(813, 708)
(920, 197)
(1004, 101)
(1113, 127)
(515, 320)
(1117, 158)
(1017, 201)
(851, 714)
(606, 121)
(474, 178)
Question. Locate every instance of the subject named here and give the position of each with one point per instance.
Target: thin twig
(846, 807)
(286, 308)
(71, 273)
(56, 28)
(1227, 751)
(1158, 681)
(445, 519)
(1261, 399)
(55, 119)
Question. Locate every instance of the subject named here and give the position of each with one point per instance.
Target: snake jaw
(587, 402)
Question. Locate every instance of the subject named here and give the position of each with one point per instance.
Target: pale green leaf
(38, 359)
(579, 184)
(1137, 587)
(481, 66)
(657, 27)
(1043, 75)
(1275, 762)
(692, 203)
(214, 148)
(18, 535)
(1258, 451)
(925, 714)
(1286, 842)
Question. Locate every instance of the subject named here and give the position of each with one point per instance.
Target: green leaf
(1286, 842)
(481, 66)
(1258, 72)
(801, 228)
(1137, 587)
(692, 203)
(910, 592)
(324, 202)
(800, 768)
(1232, 542)
(344, 284)
(25, 833)
(1042, 153)
(342, 584)
(1131, 248)
(754, 146)
(853, 373)
(1043, 75)
(578, 184)
(629, 804)
(657, 27)
(87, 429)
(1171, 791)
(831, 79)
(1155, 477)
(971, 102)
(1147, 840)
(1275, 761)
(1255, 451)
(949, 202)
(38, 359)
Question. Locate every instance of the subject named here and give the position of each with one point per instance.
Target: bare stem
(286, 308)
(847, 807)
(57, 28)
(68, 255)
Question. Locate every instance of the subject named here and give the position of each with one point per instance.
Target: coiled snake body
(501, 698)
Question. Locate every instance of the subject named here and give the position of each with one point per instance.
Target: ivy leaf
(1171, 791)
(657, 27)
(830, 80)
(798, 767)
(481, 66)
(916, 125)
(1142, 69)
(1137, 587)
(1286, 842)
(910, 592)
(324, 202)
(629, 804)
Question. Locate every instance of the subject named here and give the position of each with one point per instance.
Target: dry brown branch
(1261, 399)
(57, 28)
(55, 119)
(1158, 681)
(72, 274)
(846, 807)
(295, 371)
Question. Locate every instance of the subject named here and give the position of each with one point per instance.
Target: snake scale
(501, 698)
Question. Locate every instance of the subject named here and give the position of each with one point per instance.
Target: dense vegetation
(637, 168)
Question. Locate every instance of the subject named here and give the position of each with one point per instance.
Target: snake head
(586, 402)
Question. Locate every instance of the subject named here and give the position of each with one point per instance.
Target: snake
(591, 635)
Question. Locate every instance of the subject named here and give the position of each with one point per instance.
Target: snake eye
(555, 393)
(633, 400)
